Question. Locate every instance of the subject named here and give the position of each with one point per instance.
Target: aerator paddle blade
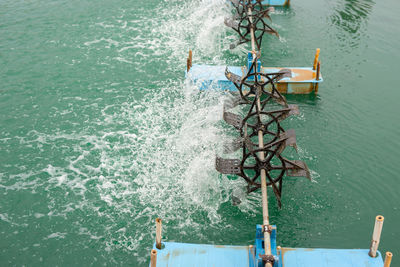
(284, 73)
(233, 102)
(233, 119)
(233, 46)
(271, 31)
(297, 168)
(248, 144)
(233, 145)
(280, 99)
(293, 110)
(227, 166)
(232, 77)
(265, 13)
(231, 23)
(289, 139)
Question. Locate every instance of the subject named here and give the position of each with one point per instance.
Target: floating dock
(206, 77)
(175, 254)
(303, 80)
(274, 2)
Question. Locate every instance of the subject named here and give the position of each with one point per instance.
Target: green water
(100, 134)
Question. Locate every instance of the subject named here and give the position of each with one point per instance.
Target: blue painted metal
(207, 77)
(259, 245)
(187, 255)
(300, 257)
(275, 2)
(250, 62)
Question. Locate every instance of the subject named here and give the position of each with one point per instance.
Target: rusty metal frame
(255, 83)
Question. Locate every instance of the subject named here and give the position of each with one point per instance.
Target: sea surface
(100, 133)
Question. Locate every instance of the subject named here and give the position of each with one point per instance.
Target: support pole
(158, 233)
(376, 236)
(189, 61)
(267, 237)
(318, 73)
(153, 258)
(316, 59)
(388, 259)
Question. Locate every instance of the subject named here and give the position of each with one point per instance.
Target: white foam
(57, 235)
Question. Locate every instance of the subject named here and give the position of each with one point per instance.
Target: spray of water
(146, 157)
(150, 155)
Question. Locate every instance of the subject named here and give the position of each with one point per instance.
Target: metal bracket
(268, 259)
(267, 228)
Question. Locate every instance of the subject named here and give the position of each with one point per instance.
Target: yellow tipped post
(388, 259)
(316, 59)
(153, 258)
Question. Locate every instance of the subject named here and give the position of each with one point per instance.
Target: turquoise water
(100, 133)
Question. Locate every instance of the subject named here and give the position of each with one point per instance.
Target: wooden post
(388, 259)
(316, 59)
(376, 236)
(158, 233)
(153, 258)
(316, 85)
(316, 88)
(318, 70)
(318, 73)
(189, 61)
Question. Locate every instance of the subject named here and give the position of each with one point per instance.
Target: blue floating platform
(303, 79)
(307, 257)
(199, 255)
(185, 255)
(275, 2)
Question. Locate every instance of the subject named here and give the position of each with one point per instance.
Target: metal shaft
(267, 237)
(253, 44)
